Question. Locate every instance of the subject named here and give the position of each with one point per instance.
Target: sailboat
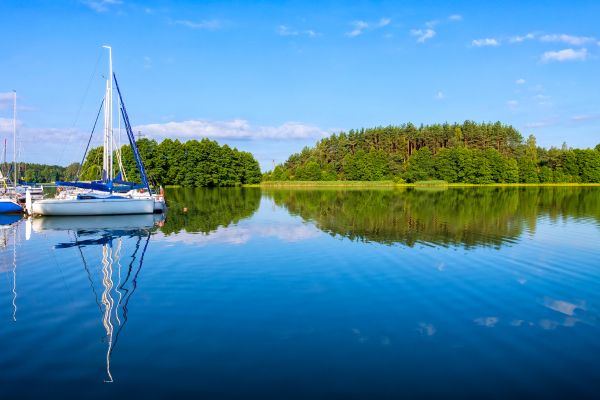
(8, 200)
(110, 195)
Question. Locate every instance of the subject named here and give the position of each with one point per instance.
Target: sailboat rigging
(111, 195)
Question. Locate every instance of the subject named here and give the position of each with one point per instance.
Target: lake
(479, 292)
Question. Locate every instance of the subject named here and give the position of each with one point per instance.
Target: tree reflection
(204, 210)
(469, 217)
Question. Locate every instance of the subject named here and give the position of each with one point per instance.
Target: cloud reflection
(490, 322)
(238, 235)
(549, 325)
(426, 329)
(563, 307)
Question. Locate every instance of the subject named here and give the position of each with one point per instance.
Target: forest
(470, 152)
(194, 163)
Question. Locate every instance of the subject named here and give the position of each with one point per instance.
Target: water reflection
(111, 234)
(263, 294)
(468, 217)
(8, 247)
(205, 210)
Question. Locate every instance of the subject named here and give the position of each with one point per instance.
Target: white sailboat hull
(94, 206)
(159, 205)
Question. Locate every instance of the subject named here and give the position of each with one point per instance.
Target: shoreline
(391, 184)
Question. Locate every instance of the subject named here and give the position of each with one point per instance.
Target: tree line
(40, 173)
(194, 163)
(457, 153)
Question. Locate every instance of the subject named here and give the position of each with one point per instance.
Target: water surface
(309, 294)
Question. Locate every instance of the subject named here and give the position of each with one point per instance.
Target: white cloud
(432, 24)
(520, 81)
(568, 39)
(512, 104)
(210, 25)
(565, 55)
(542, 99)
(6, 100)
(539, 124)
(520, 39)
(455, 17)
(6, 125)
(54, 135)
(235, 129)
(422, 35)
(283, 30)
(485, 42)
(53, 139)
(383, 22)
(101, 5)
(440, 95)
(361, 26)
(584, 117)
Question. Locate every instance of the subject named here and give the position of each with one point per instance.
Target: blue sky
(273, 76)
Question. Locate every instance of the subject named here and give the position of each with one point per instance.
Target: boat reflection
(120, 238)
(9, 219)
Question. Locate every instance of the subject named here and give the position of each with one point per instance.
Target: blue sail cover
(22, 182)
(110, 186)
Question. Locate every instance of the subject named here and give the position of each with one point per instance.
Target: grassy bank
(391, 184)
(327, 184)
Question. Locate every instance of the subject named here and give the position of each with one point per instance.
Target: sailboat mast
(15, 138)
(107, 167)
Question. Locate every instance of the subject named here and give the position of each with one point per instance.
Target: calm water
(308, 294)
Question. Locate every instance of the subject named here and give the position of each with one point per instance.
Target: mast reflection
(8, 229)
(112, 234)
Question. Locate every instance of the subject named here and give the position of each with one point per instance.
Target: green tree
(527, 170)
(511, 171)
(420, 166)
(194, 163)
(310, 172)
(546, 175)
